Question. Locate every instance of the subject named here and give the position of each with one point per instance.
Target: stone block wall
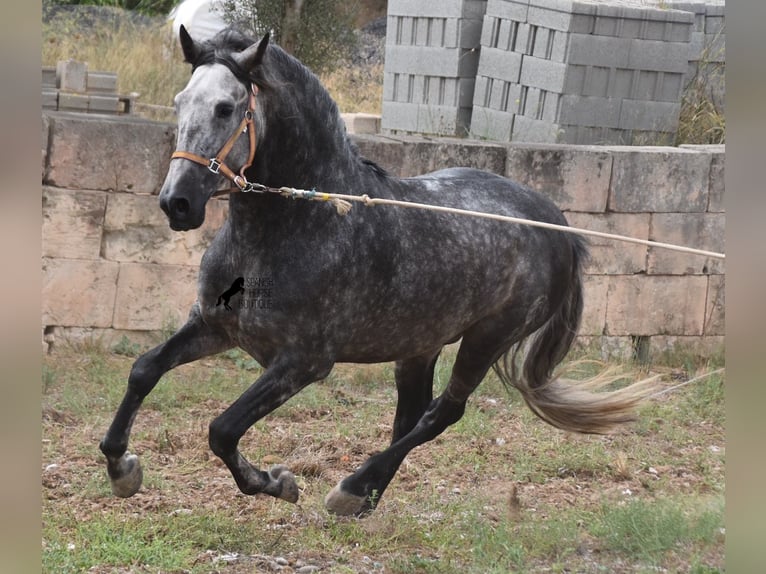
(112, 266)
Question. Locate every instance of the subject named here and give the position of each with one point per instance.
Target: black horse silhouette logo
(236, 287)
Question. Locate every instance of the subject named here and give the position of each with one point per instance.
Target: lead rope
(342, 204)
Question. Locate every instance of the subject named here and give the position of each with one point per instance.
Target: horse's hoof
(126, 476)
(288, 488)
(344, 503)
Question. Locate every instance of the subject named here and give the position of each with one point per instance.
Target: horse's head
(217, 125)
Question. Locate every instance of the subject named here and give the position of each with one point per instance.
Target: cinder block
(658, 56)
(530, 130)
(78, 293)
(576, 178)
(158, 304)
(496, 63)
(656, 305)
(136, 230)
(49, 77)
(73, 102)
(101, 82)
(72, 223)
(50, 99)
(103, 104)
(425, 61)
(715, 312)
(489, 124)
(508, 9)
(595, 292)
(359, 123)
(543, 74)
(670, 87)
(610, 256)
(599, 51)
(697, 230)
(399, 116)
(109, 154)
(714, 24)
(590, 111)
(438, 8)
(658, 179)
(649, 116)
(70, 76)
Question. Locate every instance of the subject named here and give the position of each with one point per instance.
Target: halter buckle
(214, 165)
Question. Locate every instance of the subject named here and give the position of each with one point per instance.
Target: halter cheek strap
(216, 164)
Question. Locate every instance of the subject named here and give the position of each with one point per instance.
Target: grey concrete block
(622, 82)
(717, 165)
(73, 102)
(103, 104)
(543, 74)
(669, 87)
(608, 256)
(50, 98)
(70, 75)
(714, 24)
(399, 116)
(599, 51)
(658, 179)
(659, 56)
(590, 111)
(531, 130)
(426, 61)
(438, 8)
(49, 77)
(508, 9)
(102, 82)
(649, 116)
(489, 124)
(500, 64)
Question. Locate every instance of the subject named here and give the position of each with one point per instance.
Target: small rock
(281, 561)
(308, 569)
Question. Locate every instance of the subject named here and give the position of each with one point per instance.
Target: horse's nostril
(179, 206)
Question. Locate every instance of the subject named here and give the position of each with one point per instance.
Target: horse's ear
(252, 56)
(187, 45)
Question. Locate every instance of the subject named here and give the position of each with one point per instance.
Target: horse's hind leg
(414, 386)
(359, 492)
(193, 341)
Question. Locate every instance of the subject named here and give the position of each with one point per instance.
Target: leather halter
(216, 164)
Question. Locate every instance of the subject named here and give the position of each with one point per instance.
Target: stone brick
(72, 223)
(595, 291)
(658, 179)
(136, 229)
(423, 155)
(697, 230)
(610, 256)
(717, 168)
(71, 75)
(151, 297)
(359, 123)
(78, 293)
(704, 346)
(575, 178)
(715, 311)
(530, 130)
(105, 153)
(656, 305)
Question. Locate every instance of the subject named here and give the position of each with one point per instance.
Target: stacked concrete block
(579, 71)
(70, 86)
(432, 54)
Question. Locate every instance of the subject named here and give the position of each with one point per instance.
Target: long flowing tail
(572, 406)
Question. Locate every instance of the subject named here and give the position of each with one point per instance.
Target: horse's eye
(224, 111)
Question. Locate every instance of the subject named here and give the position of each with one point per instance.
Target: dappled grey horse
(377, 284)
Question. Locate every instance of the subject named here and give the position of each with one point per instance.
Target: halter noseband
(216, 164)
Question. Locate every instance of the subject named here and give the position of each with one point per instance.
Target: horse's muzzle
(181, 214)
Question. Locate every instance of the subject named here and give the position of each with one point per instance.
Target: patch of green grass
(646, 529)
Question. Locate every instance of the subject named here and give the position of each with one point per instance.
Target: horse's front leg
(191, 342)
(281, 380)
